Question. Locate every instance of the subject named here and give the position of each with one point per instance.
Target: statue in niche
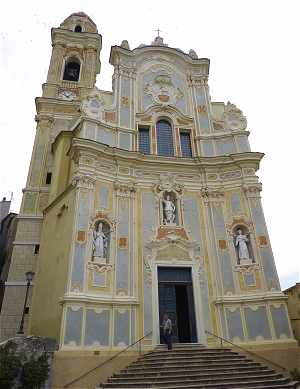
(169, 210)
(241, 243)
(100, 243)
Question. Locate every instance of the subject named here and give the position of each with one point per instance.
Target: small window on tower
(72, 70)
(48, 178)
(185, 143)
(144, 140)
(78, 28)
(36, 248)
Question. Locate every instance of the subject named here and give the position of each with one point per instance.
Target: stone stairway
(195, 366)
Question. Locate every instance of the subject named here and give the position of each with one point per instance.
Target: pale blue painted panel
(125, 109)
(121, 334)
(133, 318)
(224, 256)
(200, 96)
(191, 218)
(124, 141)
(225, 146)
(148, 223)
(207, 148)
(204, 122)
(90, 131)
(83, 211)
(122, 269)
(236, 204)
(148, 215)
(123, 226)
(78, 266)
(243, 143)
(223, 323)
(257, 323)
(269, 268)
(97, 328)
(258, 217)
(99, 279)
(103, 194)
(280, 321)
(249, 279)
(73, 327)
(234, 322)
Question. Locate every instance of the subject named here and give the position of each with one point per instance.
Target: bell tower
(75, 57)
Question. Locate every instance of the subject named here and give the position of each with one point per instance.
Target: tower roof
(83, 15)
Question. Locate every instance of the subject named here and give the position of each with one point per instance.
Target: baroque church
(141, 201)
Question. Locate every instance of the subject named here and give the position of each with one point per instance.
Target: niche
(242, 245)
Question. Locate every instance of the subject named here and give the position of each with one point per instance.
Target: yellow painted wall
(61, 170)
(52, 269)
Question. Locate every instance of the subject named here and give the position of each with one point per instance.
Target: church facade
(139, 202)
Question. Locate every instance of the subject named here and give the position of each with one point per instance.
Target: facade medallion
(163, 91)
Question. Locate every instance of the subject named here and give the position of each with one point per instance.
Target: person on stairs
(167, 331)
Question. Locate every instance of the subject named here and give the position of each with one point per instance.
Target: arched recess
(72, 69)
(78, 28)
(164, 138)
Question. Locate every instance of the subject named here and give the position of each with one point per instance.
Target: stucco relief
(163, 91)
(232, 119)
(93, 106)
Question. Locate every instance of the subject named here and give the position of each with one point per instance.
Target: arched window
(78, 28)
(164, 136)
(72, 69)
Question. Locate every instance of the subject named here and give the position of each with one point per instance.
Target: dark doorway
(175, 292)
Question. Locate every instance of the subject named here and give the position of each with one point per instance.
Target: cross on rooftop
(158, 31)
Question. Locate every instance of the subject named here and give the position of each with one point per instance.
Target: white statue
(100, 242)
(169, 210)
(241, 241)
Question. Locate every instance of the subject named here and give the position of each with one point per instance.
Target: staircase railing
(138, 342)
(252, 353)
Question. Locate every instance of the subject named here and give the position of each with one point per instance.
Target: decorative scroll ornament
(83, 181)
(233, 118)
(163, 91)
(99, 267)
(167, 183)
(212, 195)
(92, 106)
(246, 268)
(125, 189)
(193, 54)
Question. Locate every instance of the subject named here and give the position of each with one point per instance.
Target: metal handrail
(247, 351)
(108, 360)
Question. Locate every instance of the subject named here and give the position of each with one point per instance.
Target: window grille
(144, 140)
(164, 137)
(186, 147)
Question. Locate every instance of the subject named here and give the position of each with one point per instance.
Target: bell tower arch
(75, 61)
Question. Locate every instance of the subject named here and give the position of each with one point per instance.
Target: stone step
(198, 365)
(187, 361)
(197, 378)
(188, 353)
(193, 373)
(203, 370)
(239, 384)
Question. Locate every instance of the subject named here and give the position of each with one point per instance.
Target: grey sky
(254, 51)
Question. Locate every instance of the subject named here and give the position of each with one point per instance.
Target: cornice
(251, 298)
(220, 135)
(117, 51)
(236, 160)
(63, 36)
(92, 299)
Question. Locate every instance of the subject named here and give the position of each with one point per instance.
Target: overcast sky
(254, 51)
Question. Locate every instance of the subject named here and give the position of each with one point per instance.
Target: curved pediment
(157, 110)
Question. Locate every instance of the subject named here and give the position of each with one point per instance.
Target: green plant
(10, 365)
(35, 372)
(295, 374)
